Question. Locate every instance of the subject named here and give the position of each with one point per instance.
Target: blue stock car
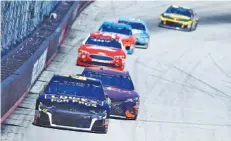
(119, 87)
(73, 102)
(123, 31)
(139, 30)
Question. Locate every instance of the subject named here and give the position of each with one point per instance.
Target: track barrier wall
(17, 86)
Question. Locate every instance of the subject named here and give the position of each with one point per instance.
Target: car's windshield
(104, 42)
(180, 11)
(137, 26)
(113, 29)
(109, 80)
(76, 88)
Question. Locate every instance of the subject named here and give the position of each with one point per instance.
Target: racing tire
(190, 29)
(105, 131)
(196, 26)
(135, 118)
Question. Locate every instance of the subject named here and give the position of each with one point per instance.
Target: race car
(139, 30)
(73, 102)
(119, 87)
(180, 18)
(124, 31)
(100, 49)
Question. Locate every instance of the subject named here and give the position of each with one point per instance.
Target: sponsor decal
(39, 66)
(102, 48)
(67, 99)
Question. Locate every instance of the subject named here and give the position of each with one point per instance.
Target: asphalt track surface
(184, 78)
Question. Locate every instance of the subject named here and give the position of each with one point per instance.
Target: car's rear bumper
(94, 63)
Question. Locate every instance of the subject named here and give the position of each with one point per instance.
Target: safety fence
(20, 18)
(17, 85)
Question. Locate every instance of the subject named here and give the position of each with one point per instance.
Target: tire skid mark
(135, 125)
(185, 123)
(212, 87)
(168, 69)
(184, 96)
(188, 86)
(218, 66)
(158, 79)
(188, 77)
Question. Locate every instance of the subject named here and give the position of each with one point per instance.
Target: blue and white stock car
(73, 102)
(139, 30)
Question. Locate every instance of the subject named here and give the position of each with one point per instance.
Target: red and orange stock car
(100, 49)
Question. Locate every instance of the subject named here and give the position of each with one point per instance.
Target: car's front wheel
(190, 27)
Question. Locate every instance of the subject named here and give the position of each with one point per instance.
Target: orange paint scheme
(133, 113)
(129, 41)
(126, 40)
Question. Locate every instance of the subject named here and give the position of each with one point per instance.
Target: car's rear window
(104, 42)
(114, 29)
(109, 80)
(138, 26)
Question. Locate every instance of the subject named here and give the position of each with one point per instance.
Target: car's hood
(100, 50)
(80, 111)
(176, 16)
(119, 94)
(70, 101)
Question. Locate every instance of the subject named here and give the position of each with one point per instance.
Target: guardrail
(16, 86)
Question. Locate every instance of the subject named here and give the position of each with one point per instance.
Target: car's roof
(73, 78)
(117, 25)
(132, 20)
(106, 71)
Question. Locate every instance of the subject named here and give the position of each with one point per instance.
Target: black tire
(135, 118)
(196, 26)
(105, 131)
(190, 29)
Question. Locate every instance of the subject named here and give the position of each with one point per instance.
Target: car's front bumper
(70, 121)
(140, 44)
(174, 25)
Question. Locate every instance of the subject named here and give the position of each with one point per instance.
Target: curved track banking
(183, 78)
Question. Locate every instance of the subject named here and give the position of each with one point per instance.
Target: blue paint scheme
(116, 25)
(141, 34)
(129, 51)
(128, 97)
(83, 96)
